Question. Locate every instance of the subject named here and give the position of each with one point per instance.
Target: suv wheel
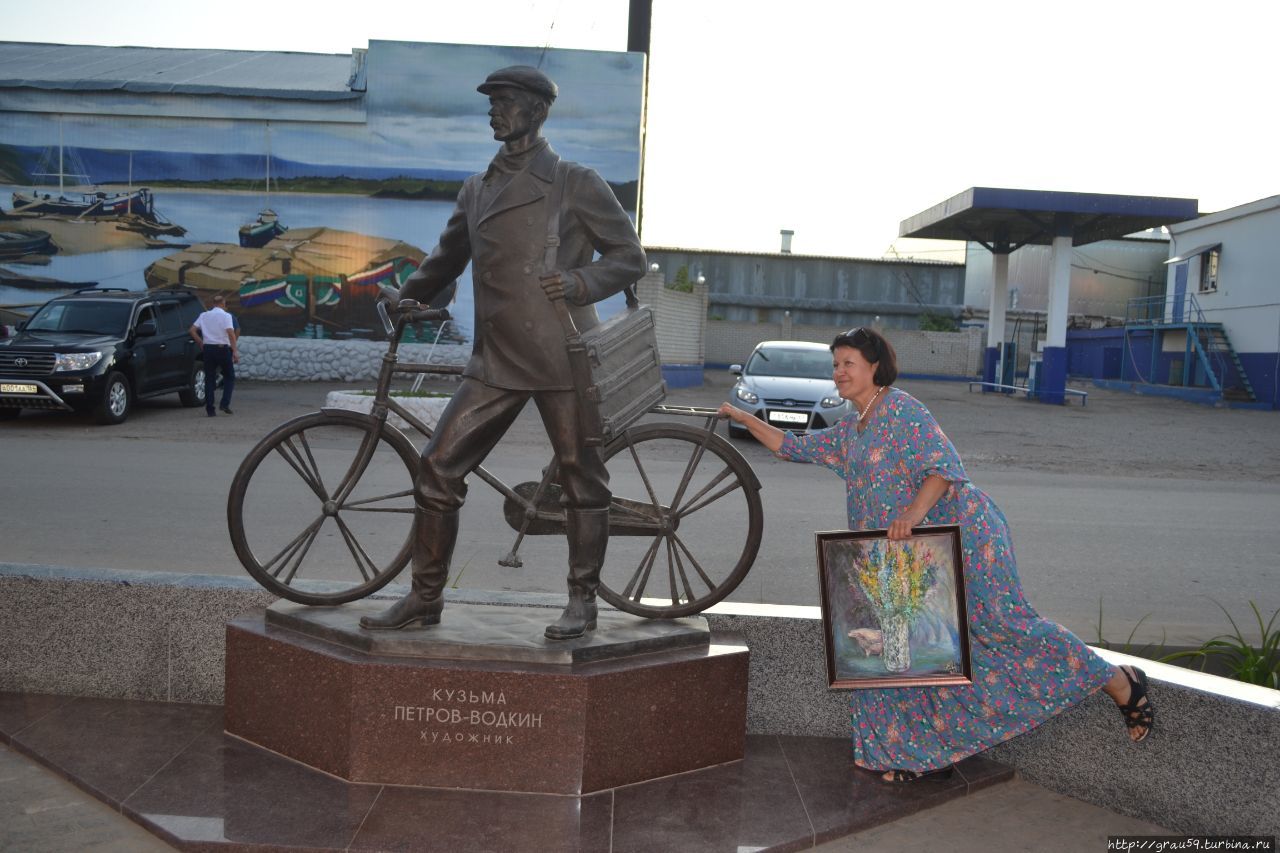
(193, 394)
(9, 414)
(116, 402)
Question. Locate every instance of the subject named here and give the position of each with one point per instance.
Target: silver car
(788, 384)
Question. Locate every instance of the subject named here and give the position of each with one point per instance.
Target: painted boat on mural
(316, 281)
(16, 244)
(261, 231)
(267, 226)
(133, 208)
(85, 205)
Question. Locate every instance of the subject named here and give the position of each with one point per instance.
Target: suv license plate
(7, 388)
(789, 417)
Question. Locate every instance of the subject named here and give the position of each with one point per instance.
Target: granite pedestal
(483, 701)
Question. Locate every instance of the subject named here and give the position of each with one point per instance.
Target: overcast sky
(838, 119)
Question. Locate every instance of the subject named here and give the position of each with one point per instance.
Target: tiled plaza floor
(169, 768)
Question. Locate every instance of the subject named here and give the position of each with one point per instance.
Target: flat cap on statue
(520, 77)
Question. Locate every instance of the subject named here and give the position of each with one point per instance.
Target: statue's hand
(557, 285)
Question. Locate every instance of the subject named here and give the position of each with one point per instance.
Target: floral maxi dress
(1025, 668)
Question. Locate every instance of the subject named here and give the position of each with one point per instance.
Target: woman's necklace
(862, 414)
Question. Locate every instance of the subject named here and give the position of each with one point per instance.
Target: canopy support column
(1053, 378)
(994, 369)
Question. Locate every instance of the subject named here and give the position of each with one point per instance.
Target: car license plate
(789, 417)
(8, 388)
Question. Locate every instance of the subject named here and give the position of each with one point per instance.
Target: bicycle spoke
(298, 548)
(298, 463)
(360, 505)
(306, 445)
(366, 566)
(642, 571)
(678, 568)
(693, 505)
(697, 567)
(694, 461)
(358, 465)
(643, 476)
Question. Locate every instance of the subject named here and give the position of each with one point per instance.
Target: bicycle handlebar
(411, 312)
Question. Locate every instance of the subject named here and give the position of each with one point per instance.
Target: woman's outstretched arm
(770, 436)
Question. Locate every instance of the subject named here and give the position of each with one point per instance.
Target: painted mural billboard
(294, 201)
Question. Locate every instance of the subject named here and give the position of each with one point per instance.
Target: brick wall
(679, 319)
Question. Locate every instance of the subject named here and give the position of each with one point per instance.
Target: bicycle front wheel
(321, 510)
(685, 521)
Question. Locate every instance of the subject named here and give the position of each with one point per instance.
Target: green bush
(681, 282)
(937, 323)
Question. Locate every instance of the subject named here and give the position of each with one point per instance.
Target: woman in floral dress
(901, 471)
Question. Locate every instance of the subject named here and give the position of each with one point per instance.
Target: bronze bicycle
(321, 510)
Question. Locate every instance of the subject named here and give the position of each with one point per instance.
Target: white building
(1104, 275)
(1222, 268)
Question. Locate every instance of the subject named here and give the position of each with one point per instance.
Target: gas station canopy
(1003, 220)
(1008, 218)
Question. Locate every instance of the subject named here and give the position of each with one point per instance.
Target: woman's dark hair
(875, 348)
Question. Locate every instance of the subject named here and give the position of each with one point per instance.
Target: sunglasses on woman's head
(853, 333)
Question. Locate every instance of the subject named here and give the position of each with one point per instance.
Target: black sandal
(901, 777)
(1138, 711)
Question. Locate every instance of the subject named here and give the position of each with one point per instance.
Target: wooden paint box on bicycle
(621, 355)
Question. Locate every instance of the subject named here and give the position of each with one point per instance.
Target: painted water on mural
(216, 217)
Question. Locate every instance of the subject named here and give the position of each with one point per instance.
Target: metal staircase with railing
(1209, 360)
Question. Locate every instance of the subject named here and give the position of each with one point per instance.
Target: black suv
(99, 349)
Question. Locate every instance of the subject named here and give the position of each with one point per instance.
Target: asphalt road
(1150, 507)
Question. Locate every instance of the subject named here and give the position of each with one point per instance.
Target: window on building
(1209, 269)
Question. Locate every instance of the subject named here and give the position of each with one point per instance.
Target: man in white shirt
(214, 332)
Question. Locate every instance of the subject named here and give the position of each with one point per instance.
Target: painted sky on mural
(423, 113)
(836, 119)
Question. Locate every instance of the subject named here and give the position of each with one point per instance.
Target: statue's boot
(588, 531)
(434, 536)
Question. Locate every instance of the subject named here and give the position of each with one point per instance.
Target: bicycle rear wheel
(321, 510)
(685, 522)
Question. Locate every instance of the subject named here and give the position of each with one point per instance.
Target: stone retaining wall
(681, 343)
(1210, 767)
(299, 359)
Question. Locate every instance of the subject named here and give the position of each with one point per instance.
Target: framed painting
(893, 613)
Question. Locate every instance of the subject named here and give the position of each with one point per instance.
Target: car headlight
(832, 402)
(66, 361)
(746, 395)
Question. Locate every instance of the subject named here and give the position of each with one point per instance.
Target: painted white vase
(897, 642)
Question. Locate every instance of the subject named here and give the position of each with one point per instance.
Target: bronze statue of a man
(501, 226)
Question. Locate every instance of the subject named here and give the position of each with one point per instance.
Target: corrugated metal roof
(152, 70)
(802, 257)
